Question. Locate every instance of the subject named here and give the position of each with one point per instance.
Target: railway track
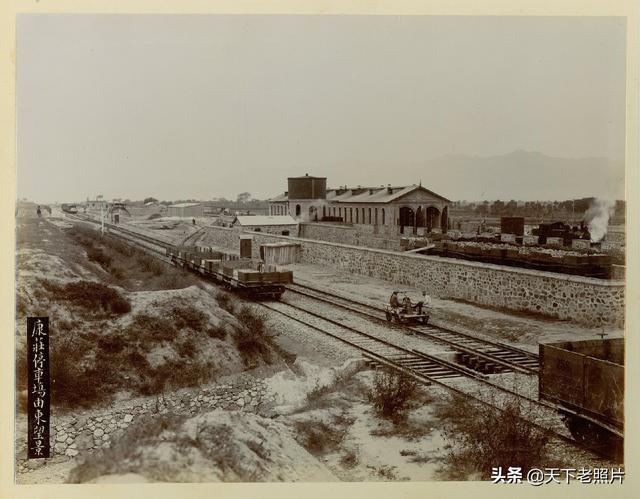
(478, 353)
(156, 245)
(420, 364)
(423, 367)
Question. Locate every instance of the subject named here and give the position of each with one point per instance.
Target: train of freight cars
(245, 275)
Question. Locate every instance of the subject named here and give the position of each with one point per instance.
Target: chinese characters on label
(536, 476)
(39, 394)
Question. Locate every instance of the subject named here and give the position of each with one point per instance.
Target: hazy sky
(204, 106)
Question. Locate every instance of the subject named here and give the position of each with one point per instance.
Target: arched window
(362, 215)
(339, 212)
(382, 216)
(376, 218)
(369, 216)
(351, 215)
(357, 218)
(298, 210)
(324, 211)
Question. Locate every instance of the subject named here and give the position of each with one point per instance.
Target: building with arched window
(411, 209)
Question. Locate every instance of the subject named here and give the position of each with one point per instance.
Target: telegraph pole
(102, 216)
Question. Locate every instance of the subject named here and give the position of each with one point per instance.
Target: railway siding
(588, 301)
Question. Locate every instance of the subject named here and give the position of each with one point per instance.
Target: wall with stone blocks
(97, 429)
(371, 236)
(274, 229)
(588, 301)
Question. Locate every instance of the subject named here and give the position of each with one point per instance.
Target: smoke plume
(597, 217)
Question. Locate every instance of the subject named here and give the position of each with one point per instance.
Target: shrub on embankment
(89, 296)
(482, 437)
(149, 355)
(127, 265)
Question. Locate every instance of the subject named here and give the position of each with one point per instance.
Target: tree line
(532, 208)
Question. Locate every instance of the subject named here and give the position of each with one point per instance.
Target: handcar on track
(402, 310)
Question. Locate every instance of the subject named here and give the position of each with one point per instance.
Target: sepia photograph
(320, 248)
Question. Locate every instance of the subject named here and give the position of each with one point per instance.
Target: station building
(410, 209)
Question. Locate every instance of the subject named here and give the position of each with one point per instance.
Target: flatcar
(584, 380)
(244, 275)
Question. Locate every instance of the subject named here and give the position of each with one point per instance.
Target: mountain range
(523, 175)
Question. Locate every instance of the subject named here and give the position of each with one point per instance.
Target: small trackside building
(186, 210)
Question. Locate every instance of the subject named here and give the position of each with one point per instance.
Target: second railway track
(426, 368)
(484, 354)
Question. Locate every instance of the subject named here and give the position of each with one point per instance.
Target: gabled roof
(375, 194)
(184, 205)
(282, 197)
(256, 220)
(367, 194)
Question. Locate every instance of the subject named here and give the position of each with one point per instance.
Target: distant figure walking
(39, 211)
(194, 221)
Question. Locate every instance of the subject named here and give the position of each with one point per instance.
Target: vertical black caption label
(39, 394)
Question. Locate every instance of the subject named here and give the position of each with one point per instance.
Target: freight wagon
(240, 274)
(70, 208)
(584, 380)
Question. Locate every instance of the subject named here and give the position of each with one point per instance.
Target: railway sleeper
(421, 365)
(429, 369)
(484, 366)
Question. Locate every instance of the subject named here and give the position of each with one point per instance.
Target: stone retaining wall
(272, 229)
(593, 302)
(97, 429)
(371, 236)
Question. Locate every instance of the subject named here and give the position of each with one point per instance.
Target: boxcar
(585, 381)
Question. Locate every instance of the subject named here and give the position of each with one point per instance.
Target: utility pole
(102, 216)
